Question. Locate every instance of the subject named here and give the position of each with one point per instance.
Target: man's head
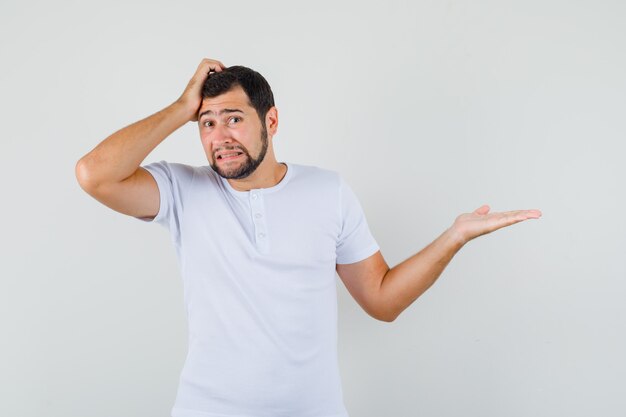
(237, 108)
(256, 87)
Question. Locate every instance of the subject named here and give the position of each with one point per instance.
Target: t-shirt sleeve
(170, 206)
(355, 241)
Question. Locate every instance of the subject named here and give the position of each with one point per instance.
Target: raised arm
(111, 172)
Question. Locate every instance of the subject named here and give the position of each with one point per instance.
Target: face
(229, 125)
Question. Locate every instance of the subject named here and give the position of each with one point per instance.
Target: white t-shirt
(259, 280)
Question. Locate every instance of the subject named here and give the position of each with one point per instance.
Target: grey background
(429, 109)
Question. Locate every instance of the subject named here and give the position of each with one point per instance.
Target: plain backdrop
(429, 109)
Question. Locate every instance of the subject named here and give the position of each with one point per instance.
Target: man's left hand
(480, 222)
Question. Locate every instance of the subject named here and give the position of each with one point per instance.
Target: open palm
(481, 222)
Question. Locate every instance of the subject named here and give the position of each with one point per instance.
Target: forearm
(119, 155)
(405, 282)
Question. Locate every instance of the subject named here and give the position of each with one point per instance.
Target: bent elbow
(386, 317)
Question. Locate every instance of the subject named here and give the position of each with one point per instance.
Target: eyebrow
(208, 112)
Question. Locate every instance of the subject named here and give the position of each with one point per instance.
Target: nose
(220, 138)
(220, 134)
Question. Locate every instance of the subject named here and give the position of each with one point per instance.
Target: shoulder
(171, 166)
(175, 171)
(316, 175)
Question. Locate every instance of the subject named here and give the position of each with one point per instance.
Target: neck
(268, 174)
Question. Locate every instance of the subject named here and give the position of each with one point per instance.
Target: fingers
(484, 209)
(207, 65)
(478, 223)
(522, 214)
(512, 217)
(192, 97)
(527, 214)
(495, 221)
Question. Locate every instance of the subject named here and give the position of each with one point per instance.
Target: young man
(258, 243)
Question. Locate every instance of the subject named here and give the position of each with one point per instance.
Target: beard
(249, 164)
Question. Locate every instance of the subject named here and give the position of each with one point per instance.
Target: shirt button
(254, 196)
(258, 215)
(261, 235)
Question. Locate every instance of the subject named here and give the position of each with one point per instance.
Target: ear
(271, 121)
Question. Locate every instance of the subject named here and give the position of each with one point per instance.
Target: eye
(235, 117)
(205, 123)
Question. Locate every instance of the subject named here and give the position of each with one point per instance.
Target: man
(258, 244)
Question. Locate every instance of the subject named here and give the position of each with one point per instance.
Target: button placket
(260, 227)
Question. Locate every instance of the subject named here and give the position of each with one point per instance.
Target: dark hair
(256, 87)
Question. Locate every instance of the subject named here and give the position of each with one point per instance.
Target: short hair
(258, 90)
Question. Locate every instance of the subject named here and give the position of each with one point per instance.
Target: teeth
(230, 154)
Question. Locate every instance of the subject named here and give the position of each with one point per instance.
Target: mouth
(229, 156)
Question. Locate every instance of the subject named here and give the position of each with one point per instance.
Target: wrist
(185, 110)
(456, 236)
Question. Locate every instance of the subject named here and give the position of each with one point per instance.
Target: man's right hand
(191, 98)
(111, 172)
